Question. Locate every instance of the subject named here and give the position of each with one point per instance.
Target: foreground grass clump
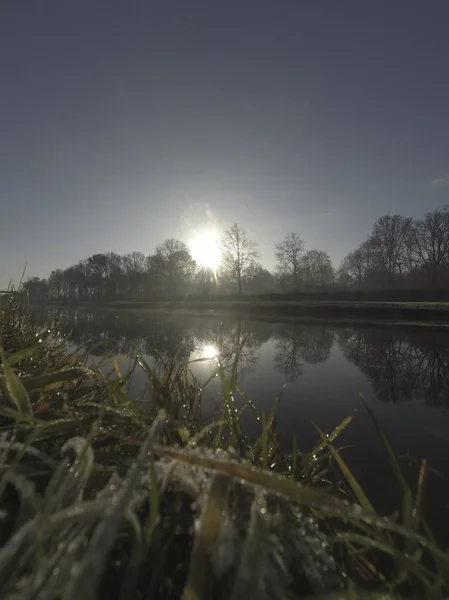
(102, 498)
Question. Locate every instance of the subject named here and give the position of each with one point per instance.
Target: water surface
(321, 371)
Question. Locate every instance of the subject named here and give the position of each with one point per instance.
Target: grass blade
(200, 578)
(391, 455)
(352, 481)
(53, 380)
(277, 484)
(249, 580)
(333, 435)
(15, 389)
(17, 357)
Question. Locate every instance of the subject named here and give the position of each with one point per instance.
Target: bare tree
(317, 268)
(288, 255)
(389, 245)
(136, 268)
(239, 254)
(355, 266)
(178, 263)
(430, 243)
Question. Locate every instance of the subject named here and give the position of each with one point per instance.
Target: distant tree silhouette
(177, 263)
(239, 255)
(399, 253)
(390, 246)
(37, 289)
(135, 266)
(261, 282)
(289, 266)
(430, 245)
(355, 266)
(317, 269)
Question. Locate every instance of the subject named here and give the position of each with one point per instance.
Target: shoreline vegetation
(103, 497)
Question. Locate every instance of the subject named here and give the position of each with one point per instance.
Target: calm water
(321, 370)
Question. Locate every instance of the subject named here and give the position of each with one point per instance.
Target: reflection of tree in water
(107, 333)
(165, 338)
(299, 344)
(287, 359)
(402, 367)
(237, 344)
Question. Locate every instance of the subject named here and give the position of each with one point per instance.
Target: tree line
(399, 253)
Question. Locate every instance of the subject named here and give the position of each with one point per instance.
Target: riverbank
(341, 312)
(98, 492)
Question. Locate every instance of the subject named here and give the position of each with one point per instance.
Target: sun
(209, 351)
(205, 250)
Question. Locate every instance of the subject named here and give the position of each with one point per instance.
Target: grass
(101, 497)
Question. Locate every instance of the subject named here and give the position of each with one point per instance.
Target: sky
(123, 123)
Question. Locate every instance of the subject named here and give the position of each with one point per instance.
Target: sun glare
(205, 250)
(209, 351)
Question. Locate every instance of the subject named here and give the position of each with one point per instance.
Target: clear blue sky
(117, 116)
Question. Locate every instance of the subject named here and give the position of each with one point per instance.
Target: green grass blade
(15, 389)
(350, 478)
(250, 581)
(390, 453)
(21, 355)
(234, 424)
(53, 380)
(417, 515)
(247, 401)
(403, 561)
(142, 544)
(277, 484)
(95, 557)
(334, 434)
(294, 462)
(200, 579)
(204, 431)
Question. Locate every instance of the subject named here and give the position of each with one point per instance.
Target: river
(320, 372)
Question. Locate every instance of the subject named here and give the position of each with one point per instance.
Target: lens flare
(206, 250)
(209, 351)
